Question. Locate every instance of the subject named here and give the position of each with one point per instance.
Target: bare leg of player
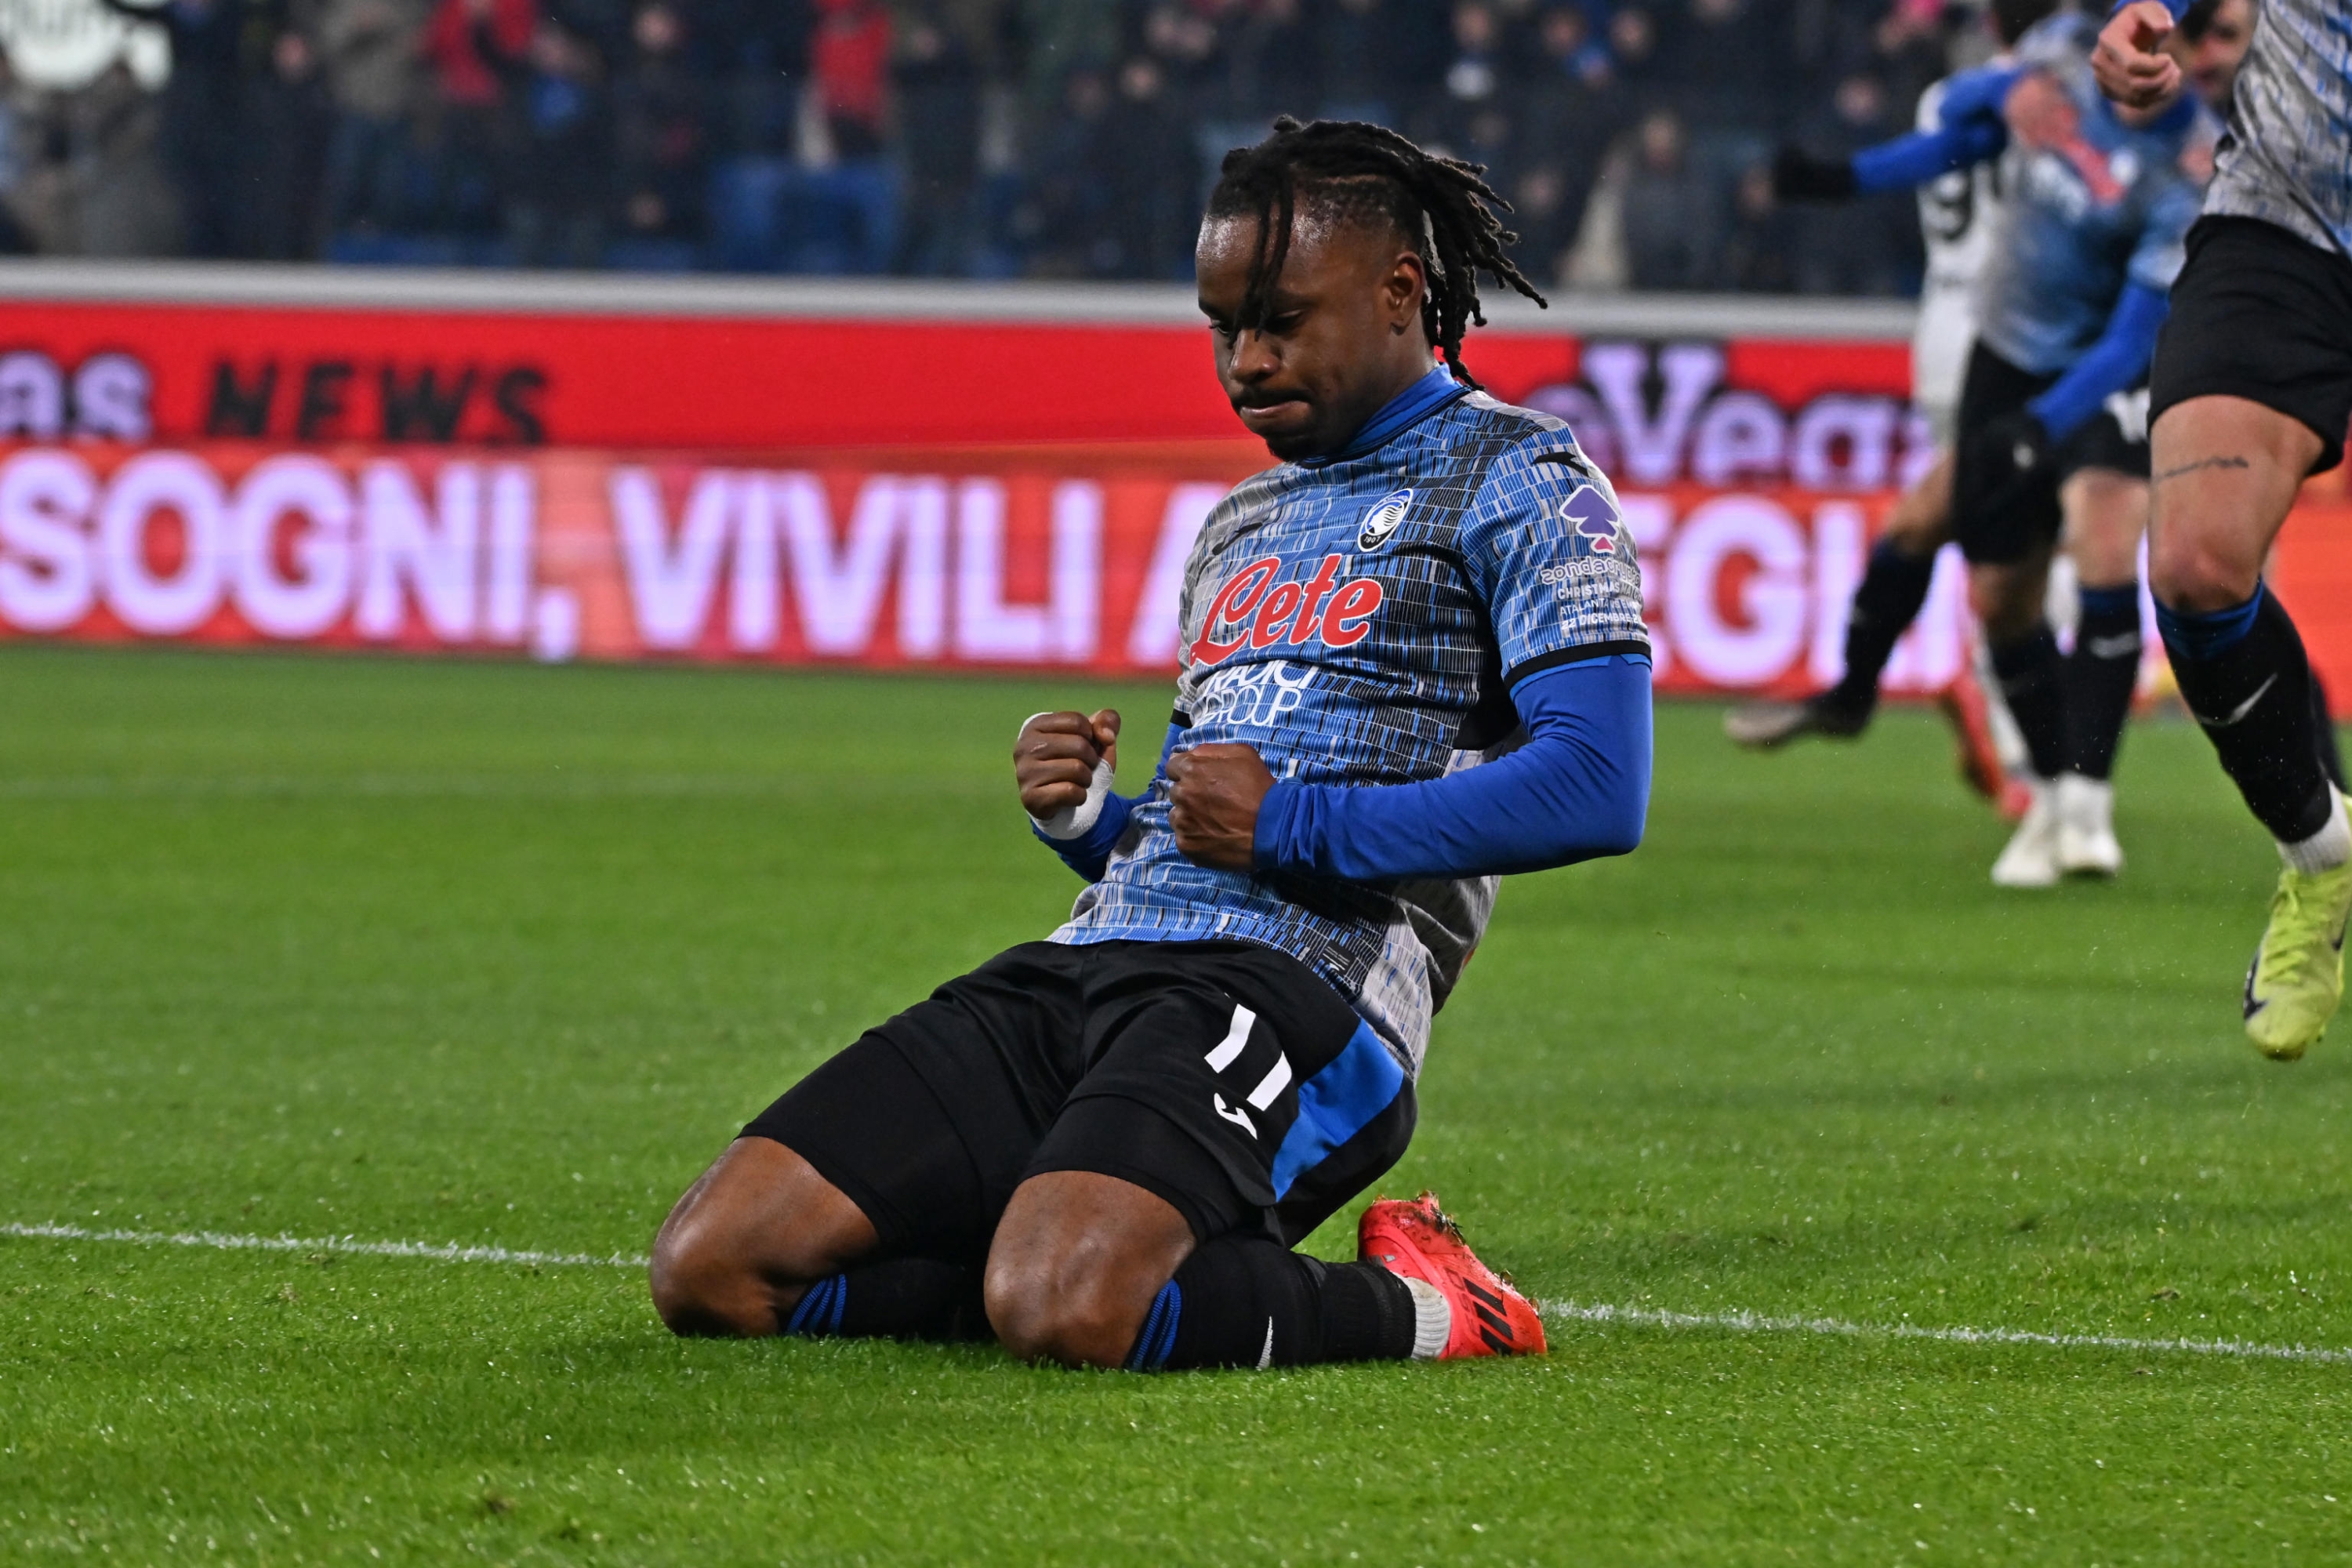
(1077, 1260)
(2105, 515)
(739, 1250)
(2227, 471)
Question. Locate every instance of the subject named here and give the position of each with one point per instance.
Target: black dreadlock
(1349, 168)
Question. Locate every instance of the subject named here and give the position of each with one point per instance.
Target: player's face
(1342, 334)
(2210, 63)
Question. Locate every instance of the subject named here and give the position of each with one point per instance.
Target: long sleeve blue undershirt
(2108, 365)
(1578, 790)
(1970, 130)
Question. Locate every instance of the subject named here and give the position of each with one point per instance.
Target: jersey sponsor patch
(1592, 519)
(1253, 610)
(1381, 522)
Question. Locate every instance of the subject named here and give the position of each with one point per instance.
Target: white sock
(2079, 794)
(1432, 1319)
(2325, 849)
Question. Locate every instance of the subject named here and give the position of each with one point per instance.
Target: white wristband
(1076, 821)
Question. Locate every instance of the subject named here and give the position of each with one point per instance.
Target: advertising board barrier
(1003, 489)
(1062, 559)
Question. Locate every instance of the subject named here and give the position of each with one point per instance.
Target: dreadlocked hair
(1352, 170)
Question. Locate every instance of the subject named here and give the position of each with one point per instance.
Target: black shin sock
(1249, 1301)
(2031, 683)
(1885, 602)
(2244, 676)
(899, 1297)
(2323, 724)
(2100, 676)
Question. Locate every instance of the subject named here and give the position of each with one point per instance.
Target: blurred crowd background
(940, 138)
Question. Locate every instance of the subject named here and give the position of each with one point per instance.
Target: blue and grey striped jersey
(2106, 206)
(1358, 621)
(2287, 158)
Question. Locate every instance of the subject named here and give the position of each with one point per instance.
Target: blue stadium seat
(770, 215)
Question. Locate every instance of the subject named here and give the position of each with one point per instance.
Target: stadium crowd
(987, 138)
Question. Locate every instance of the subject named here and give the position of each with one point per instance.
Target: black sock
(2244, 676)
(2323, 724)
(2031, 684)
(2100, 676)
(899, 1298)
(1249, 1301)
(1885, 602)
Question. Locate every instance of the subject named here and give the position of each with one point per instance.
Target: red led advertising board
(929, 492)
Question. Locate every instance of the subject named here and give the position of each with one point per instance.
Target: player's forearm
(2117, 360)
(1578, 790)
(1923, 155)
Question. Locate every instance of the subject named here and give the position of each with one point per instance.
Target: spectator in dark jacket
(1274, 69)
(472, 47)
(368, 48)
(217, 46)
(935, 80)
(1671, 222)
(1147, 160)
(1864, 247)
(1357, 66)
(660, 129)
(559, 151)
(285, 121)
(1715, 61)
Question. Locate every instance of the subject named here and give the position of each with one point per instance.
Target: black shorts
(2115, 438)
(1222, 1075)
(2260, 313)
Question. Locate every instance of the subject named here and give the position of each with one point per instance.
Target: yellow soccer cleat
(2297, 976)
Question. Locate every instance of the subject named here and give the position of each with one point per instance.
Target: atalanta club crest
(1591, 518)
(1383, 520)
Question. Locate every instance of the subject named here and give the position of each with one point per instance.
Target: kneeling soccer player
(1413, 659)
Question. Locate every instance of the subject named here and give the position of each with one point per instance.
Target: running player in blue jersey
(2052, 431)
(2251, 391)
(1959, 221)
(1413, 659)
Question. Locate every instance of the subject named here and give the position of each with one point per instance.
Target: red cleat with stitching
(1417, 1241)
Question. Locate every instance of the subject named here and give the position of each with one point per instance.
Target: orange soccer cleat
(1970, 714)
(1483, 1315)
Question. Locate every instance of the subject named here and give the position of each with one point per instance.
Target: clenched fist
(1054, 755)
(1214, 794)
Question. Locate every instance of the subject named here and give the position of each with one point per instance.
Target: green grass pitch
(500, 955)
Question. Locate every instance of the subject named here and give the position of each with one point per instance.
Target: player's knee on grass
(1076, 1264)
(739, 1249)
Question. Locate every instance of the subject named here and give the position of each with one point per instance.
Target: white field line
(1758, 1323)
(221, 1241)
(1572, 1311)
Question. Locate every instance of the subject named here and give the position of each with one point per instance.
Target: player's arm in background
(1577, 664)
(1971, 131)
